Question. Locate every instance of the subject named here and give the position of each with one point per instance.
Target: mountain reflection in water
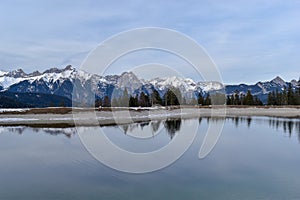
(172, 126)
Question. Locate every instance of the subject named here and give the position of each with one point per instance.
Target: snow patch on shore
(17, 119)
(4, 110)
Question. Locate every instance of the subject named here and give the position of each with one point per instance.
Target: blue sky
(248, 40)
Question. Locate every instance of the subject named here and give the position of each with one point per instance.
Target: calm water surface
(255, 158)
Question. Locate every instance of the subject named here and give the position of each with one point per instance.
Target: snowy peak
(129, 75)
(210, 86)
(61, 81)
(3, 73)
(174, 81)
(294, 83)
(35, 73)
(13, 77)
(57, 71)
(52, 70)
(68, 68)
(278, 81)
(19, 73)
(129, 80)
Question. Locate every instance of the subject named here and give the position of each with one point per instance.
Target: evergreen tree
(200, 99)
(62, 103)
(172, 97)
(277, 98)
(298, 93)
(106, 102)
(115, 103)
(144, 100)
(178, 96)
(271, 98)
(155, 98)
(98, 103)
(124, 101)
(133, 101)
(236, 100)
(193, 101)
(207, 100)
(257, 101)
(184, 101)
(248, 100)
(218, 98)
(284, 97)
(291, 96)
(228, 100)
(242, 99)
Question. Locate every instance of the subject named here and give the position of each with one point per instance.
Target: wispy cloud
(249, 40)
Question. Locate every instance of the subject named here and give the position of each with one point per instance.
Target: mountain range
(54, 87)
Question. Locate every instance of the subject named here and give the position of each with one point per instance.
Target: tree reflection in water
(155, 126)
(172, 126)
(289, 126)
(68, 132)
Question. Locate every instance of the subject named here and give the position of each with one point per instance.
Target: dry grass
(64, 110)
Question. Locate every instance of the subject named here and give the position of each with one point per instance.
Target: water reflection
(238, 120)
(287, 125)
(131, 127)
(68, 132)
(252, 166)
(155, 126)
(172, 126)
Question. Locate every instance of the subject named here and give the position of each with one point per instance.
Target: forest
(173, 96)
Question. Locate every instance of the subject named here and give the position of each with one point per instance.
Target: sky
(249, 41)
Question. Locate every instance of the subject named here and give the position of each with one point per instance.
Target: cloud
(247, 39)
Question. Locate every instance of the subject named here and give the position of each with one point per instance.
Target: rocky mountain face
(61, 82)
(262, 89)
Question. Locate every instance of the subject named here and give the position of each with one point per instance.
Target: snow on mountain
(53, 75)
(6, 81)
(264, 89)
(10, 78)
(279, 81)
(35, 73)
(2, 73)
(294, 83)
(50, 76)
(178, 82)
(61, 82)
(210, 86)
(275, 84)
(129, 81)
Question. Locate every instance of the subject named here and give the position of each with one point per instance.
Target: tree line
(173, 97)
(286, 97)
(243, 99)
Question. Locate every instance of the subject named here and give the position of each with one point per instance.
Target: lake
(254, 158)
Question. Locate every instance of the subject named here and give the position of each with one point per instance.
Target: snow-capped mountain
(60, 83)
(262, 89)
(186, 86)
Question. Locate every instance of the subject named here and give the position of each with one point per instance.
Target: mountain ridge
(60, 82)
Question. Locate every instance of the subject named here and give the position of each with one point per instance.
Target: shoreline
(68, 117)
